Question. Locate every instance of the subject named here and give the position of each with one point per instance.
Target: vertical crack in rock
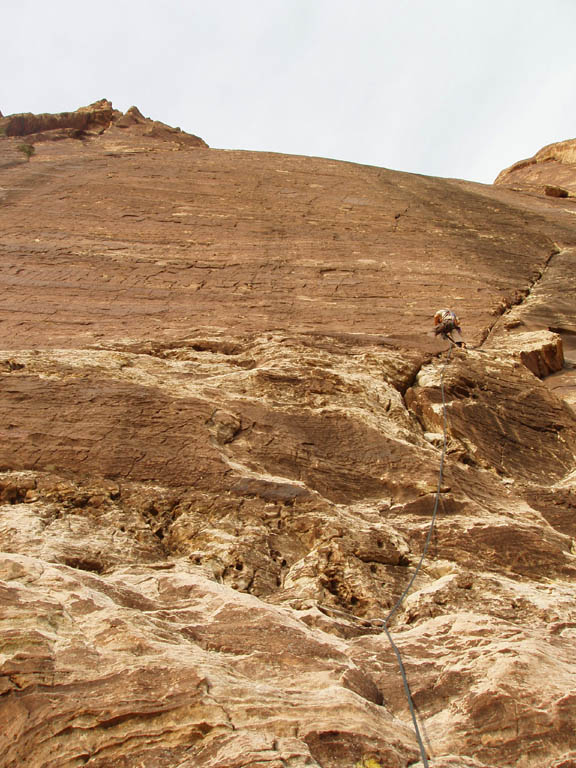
(520, 297)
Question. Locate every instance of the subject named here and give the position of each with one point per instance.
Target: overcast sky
(459, 88)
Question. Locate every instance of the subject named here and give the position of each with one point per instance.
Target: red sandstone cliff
(221, 418)
(552, 172)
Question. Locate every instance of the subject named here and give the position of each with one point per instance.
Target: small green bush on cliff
(27, 150)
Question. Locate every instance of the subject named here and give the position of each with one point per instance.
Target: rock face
(551, 172)
(222, 426)
(90, 122)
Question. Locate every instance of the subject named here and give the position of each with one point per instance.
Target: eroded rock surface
(551, 172)
(222, 420)
(90, 122)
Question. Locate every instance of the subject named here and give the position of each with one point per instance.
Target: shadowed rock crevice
(520, 299)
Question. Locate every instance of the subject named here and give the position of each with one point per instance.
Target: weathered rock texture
(90, 122)
(222, 428)
(551, 172)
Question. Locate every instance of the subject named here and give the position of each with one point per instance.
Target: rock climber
(447, 325)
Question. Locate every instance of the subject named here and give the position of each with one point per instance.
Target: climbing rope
(418, 567)
(384, 622)
(437, 497)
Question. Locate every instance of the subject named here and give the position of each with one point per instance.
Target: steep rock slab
(135, 237)
(222, 443)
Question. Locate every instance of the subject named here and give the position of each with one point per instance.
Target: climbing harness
(446, 322)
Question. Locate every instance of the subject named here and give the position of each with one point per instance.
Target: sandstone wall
(222, 428)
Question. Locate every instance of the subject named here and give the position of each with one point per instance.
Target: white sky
(459, 88)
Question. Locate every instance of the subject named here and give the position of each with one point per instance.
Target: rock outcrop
(551, 172)
(90, 122)
(222, 423)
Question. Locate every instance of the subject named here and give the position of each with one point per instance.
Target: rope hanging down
(415, 574)
(384, 622)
